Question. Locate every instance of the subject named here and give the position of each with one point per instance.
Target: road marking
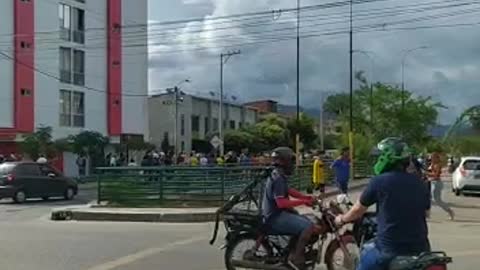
(143, 254)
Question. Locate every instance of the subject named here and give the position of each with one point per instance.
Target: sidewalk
(172, 215)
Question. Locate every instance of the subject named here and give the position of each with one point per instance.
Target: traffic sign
(216, 142)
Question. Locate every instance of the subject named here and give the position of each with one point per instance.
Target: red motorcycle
(250, 246)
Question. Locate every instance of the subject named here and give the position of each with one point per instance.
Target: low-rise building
(197, 118)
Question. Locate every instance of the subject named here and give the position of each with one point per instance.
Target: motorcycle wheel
(342, 263)
(248, 242)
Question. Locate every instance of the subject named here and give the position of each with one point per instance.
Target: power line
(263, 32)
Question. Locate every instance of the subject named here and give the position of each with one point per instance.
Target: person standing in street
(341, 168)
(434, 176)
(319, 173)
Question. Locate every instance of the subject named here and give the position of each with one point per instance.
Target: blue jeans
(371, 258)
(342, 186)
(286, 223)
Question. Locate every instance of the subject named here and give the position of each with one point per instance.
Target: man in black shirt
(403, 204)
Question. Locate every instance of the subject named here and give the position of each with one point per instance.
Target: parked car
(466, 177)
(23, 180)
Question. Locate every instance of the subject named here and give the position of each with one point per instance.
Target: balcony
(79, 78)
(65, 34)
(79, 36)
(65, 76)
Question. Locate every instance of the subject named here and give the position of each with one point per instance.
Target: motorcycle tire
(233, 244)
(334, 245)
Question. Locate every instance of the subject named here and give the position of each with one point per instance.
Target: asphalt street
(29, 240)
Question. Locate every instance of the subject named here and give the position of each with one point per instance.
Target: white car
(466, 177)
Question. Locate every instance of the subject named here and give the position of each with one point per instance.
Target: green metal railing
(176, 185)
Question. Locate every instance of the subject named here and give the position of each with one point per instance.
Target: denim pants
(342, 186)
(437, 188)
(371, 258)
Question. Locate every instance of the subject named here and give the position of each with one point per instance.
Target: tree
(304, 127)
(237, 140)
(271, 132)
(41, 143)
(389, 119)
(90, 144)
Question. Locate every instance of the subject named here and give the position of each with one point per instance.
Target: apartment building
(72, 65)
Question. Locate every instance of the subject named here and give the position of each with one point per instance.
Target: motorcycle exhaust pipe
(256, 265)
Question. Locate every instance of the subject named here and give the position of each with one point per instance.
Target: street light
(405, 54)
(372, 64)
(223, 60)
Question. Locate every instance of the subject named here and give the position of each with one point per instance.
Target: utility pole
(372, 65)
(175, 129)
(297, 136)
(176, 99)
(223, 60)
(350, 133)
(404, 58)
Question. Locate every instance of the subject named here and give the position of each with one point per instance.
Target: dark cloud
(448, 70)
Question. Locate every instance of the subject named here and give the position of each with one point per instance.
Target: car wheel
(69, 194)
(458, 192)
(20, 196)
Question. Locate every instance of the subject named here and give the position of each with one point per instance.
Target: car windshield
(471, 165)
(6, 168)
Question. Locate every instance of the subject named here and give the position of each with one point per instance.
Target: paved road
(30, 241)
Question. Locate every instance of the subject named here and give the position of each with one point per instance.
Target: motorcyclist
(403, 205)
(278, 209)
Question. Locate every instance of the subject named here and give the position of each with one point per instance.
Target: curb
(86, 215)
(66, 215)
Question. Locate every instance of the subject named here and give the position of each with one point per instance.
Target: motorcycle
(365, 230)
(267, 251)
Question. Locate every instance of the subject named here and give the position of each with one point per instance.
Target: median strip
(166, 215)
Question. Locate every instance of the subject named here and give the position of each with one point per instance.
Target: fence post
(160, 185)
(99, 189)
(223, 185)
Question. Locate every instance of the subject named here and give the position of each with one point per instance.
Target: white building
(72, 65)
(197, 118)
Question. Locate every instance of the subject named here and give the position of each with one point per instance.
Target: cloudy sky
(448, 70)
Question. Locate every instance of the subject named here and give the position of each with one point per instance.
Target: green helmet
(391, 152)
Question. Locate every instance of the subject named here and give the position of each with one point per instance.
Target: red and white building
(72, 65)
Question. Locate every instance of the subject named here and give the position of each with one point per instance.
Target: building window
(72, 108)
(72, 60)
(182, 146)
(78, 25)
(65, 65)
(215, 124)
(72, 23)
(182, 125)
(65, 21)
(232, 124)
(195, 123)
(240, 125)
(78, 67)
(207, 125)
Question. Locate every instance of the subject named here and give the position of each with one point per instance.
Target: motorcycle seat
(420, 261)
(402, 262)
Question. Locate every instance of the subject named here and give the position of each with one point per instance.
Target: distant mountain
(311, 112)
(436, 131)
